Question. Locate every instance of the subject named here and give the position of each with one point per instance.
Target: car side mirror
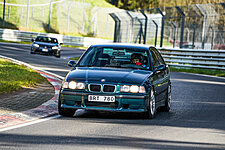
(60, 43)
(161, 68)
(71, 63)
(32, 40)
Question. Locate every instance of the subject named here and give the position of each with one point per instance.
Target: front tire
(151, 106)
(168, 100)
(32, 52)
(65, 112)
(57, 54)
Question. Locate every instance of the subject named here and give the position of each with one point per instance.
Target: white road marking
(199, 81)
(203, 75)
(28, 123)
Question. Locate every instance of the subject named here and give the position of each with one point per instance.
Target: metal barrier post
(50, 15)
(156, 32)
(9, 10)
(182, 26)
(146, 22)
(212, 40)
(132, 25)
(193, 40)
(3, 20)
(68, 17)
(174, 32)
(117, 27)
(84, 14)
(223, 4)
(28, 5)
(204, 24)
(162, 28)
(188, 34)
(21, 13)
(140, 31)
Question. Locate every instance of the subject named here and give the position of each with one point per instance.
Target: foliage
(75, 58)
(143, 4)
(132, 4)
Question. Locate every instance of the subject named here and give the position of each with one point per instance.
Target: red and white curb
(48, 108)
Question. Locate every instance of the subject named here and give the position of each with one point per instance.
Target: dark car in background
(46, 45)
(117, 78)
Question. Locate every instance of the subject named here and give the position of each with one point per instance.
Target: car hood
(110, 75)
(45, 43)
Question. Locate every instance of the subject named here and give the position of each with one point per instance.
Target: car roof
(124, 45)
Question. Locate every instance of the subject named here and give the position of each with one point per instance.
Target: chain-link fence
(70, 17)
(194, 26)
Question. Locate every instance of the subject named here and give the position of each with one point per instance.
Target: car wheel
(65, 112)
(167, 100)
(57, 55)
(32, 52)
(151, 105)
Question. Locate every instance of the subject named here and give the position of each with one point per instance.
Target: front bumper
(46, 51)
(123, 102)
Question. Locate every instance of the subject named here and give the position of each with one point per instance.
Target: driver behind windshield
(136, 59)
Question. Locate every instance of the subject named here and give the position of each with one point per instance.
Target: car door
(164, 75)
(158, 77)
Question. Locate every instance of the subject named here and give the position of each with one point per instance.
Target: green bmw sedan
(117, 78)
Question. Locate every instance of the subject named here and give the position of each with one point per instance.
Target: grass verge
(14, 77)
(75, 58)
(218, 73)
(22, 42)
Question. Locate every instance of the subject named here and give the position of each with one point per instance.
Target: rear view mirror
(71, 63)
(161, 68)
(32, 40)
(60, 43)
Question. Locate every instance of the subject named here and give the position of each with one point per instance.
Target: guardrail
(194, 58)
(18, 36)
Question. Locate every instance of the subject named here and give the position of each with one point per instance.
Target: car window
(46, 39)
(155, 58)
(116, 57)
(161, 61)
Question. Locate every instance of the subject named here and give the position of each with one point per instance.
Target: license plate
(97, 98)
(45, 50)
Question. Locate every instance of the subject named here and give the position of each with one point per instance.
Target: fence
(200, 26)
(195, 58)
(70, 17)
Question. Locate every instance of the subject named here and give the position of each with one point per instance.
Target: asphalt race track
(196, 120)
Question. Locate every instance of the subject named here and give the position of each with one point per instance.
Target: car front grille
(95, 88)
(43, 46)
(101, 104)
(109, 88)
(102, 88)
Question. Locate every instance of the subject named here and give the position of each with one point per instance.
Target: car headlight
(35, 45)
(125, 88)
(65, 85)
(55, 47)
(80, 85)
(132, 88)
(74, 85)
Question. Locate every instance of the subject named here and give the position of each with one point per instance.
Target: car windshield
(115, 57)
(46, 39)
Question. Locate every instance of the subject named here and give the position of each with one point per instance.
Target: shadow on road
(110, 142)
